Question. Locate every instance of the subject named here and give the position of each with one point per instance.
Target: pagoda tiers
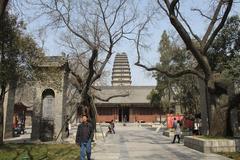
(133, 108)
(121, 75)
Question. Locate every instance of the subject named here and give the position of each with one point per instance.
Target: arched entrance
(47, 120)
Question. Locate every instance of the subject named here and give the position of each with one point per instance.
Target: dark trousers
(176, 136)
(67, 130)
(85, 148)
(113, 131)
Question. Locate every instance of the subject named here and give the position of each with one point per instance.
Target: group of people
(177, 128)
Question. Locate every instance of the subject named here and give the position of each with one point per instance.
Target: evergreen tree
(17, 53)
(226, 46)
(183, 90)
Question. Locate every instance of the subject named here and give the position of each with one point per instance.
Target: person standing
(196, 127)
(174, 123)
(112, 127)
(84, 137)
(124, 120)
(177, 132)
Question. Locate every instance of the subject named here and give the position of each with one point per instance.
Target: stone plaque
(48, 103)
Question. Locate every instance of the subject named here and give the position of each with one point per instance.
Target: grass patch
(233, 155)
(39, 151)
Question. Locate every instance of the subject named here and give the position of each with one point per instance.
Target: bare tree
(198, 46)
(97, 26)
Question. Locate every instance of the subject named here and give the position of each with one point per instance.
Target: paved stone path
(135, 143)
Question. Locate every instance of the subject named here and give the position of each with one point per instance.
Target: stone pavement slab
(135, 143)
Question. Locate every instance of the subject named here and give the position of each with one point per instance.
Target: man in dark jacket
(84, 137)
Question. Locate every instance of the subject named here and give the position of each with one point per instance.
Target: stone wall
(57, 112)
(212, 145)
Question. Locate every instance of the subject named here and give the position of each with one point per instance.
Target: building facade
(39, 104)
(44, 104)
(133, 108)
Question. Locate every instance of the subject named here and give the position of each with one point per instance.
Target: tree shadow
(40, 151)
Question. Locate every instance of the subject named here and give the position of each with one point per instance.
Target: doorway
(123, 112)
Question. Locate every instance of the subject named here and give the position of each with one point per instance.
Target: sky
(149, 57)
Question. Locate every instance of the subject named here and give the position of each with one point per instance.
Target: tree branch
(98, 74)
(212, 23)
(97, 89)
(91, 72)
(201, 13)
(70, 28)
(189, 28)
(111, 97)
(220, 26)
(162, 7)
(187, 39)
(78, 78)
(105, 22)
(172, 75)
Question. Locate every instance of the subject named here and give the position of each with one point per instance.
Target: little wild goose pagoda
(133, 108)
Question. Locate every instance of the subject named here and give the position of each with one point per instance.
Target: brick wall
(147, 114)
(106, 114)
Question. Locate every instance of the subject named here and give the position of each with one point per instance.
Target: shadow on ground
(39, 151)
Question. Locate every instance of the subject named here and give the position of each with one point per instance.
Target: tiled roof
(137, 94)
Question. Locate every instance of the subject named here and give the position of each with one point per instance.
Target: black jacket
(80, 136)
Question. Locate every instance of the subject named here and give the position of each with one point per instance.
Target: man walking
(84, 137)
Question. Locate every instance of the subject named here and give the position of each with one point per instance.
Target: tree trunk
(1, 112)
(3, 5)
(10, 109)
(93, 113)
(229, 131)
(204, 106)
(234, 102)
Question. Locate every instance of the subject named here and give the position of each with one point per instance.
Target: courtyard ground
(138, 143)
(129, 143)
